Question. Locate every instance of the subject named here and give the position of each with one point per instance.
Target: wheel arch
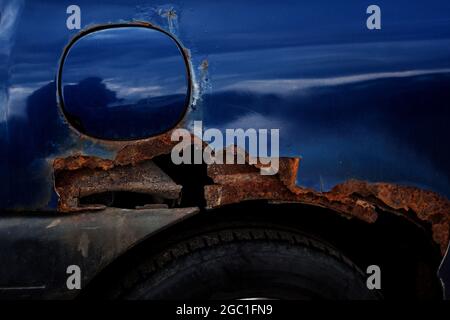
(405, 251)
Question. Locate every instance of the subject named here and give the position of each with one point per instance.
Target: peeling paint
(205, 84)
(172, 18)
(164, 15)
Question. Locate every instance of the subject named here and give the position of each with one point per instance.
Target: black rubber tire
(248, 263)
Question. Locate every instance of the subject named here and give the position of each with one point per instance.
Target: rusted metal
(145, 177)
(126, 152)
(234, 183)
(353, 199)
(408, 201)
(77, 162)
(78, 176)
(132, 170)
(147, 149)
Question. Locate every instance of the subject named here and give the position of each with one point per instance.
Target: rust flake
(126, 153)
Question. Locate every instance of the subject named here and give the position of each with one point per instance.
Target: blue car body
(352, 103)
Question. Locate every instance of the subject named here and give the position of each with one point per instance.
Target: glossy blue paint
(353, 103)
(125, 82)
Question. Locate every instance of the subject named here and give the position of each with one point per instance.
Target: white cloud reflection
(299, 86)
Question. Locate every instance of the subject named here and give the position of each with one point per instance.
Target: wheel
(247, 263)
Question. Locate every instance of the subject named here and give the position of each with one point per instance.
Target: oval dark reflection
(124, 83)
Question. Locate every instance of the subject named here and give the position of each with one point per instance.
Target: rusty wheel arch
(353, 199)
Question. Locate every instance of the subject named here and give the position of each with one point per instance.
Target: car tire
(248, 264)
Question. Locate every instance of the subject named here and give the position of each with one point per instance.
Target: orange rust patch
(77, 162)
(408, 201)
(145, 150)
(128, 153)
(80, 175)
(234, 183)
(354, 199)
(145, 178)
